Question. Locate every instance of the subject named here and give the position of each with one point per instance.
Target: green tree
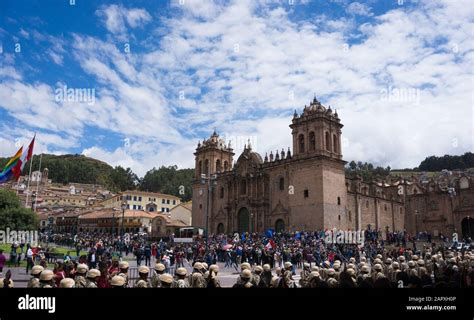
(123, 179)
(13, 216)
(169, 180)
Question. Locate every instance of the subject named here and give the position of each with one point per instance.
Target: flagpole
(37, 182)
(28, 185)
(29, 177)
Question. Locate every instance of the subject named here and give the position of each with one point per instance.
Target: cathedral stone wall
(307, 189)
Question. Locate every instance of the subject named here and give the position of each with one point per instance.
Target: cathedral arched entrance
(467, 227)
(279, 225)
(220, 228)
(243, 220)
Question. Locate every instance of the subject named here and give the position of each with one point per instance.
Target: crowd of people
(262, 260)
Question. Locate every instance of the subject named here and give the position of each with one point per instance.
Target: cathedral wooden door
(244, 220)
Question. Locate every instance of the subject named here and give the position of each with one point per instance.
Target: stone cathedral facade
(302, 188)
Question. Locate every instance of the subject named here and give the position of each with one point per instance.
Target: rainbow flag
(10, 169)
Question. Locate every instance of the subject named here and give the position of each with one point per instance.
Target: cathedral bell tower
(212, 157)
(318, 175)
(316, 132)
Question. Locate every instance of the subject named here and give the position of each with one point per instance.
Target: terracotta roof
(176, 223)
(169, 222)
(187, 205)
(68, 214)
(110, 212)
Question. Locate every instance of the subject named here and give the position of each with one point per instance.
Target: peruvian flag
(270, 245)
(25, 157)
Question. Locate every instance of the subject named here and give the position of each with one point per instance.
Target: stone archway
(220, 228)
(279, 225)
(467, 227)
(243, 219)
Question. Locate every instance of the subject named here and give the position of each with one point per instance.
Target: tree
(366, 170)
(169, 180)
(434, 163)
(123, 179)
(13, 216)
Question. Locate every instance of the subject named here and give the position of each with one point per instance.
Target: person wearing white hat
(118, 282)
(304, 275)
(181, 280)
(142, 282)
(267, 276)
(80, 278)
(256, 275)
(92, 276)
(244, 280)
(166, 280)
(123, 266)
(196, 278)
(67, 283)
(34, 282)
(213, 279)
(158, 271)
(332, 282)
(46, 279)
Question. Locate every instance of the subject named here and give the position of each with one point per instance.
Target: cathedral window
(222, 193)
(206, 167)
(243, 187)
(306, 193)
(218, 165)
(334, 142)
(282, 184)
(338, 201)
(312, 141)
(301, 143)
(327, 139)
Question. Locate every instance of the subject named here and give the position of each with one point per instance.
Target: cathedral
(304, 188)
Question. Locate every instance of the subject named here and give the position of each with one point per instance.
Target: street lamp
(469, 226)
(452, 194)
(124, 207)
(252, 222)
(113, 225)
(416, 223)
(211, 181)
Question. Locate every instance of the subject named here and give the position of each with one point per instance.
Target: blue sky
(164, 74)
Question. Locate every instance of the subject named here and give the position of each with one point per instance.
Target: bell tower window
(282, 183)
(312, 141)
(327, 139)
(301, 143)
(206, 167)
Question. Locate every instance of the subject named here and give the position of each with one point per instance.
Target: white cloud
(117, 18)
(358, 8)
(244, 67)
